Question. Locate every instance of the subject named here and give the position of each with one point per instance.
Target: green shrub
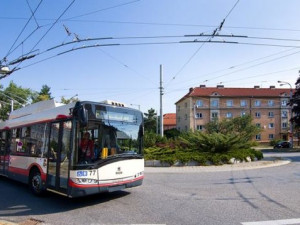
(258, 154)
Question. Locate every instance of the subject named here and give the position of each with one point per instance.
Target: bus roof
(43, 111)
(38, 112)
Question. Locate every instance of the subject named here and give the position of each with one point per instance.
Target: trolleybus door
(58, 161)
(4, 152)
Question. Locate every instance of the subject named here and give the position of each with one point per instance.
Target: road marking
(274, 222)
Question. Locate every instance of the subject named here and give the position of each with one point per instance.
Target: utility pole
(12, 105)
(156, 123)
(161, 103)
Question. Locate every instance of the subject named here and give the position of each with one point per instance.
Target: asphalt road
(229, 197)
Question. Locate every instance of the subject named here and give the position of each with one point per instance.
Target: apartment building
(268, 107)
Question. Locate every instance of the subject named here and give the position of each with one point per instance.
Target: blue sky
(129, 72)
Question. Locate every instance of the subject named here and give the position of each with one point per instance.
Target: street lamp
(291, 113)
(4, 70)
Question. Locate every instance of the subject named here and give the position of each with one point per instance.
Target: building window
(271, 136)
(243, 113)
(284, 103)
(271, 114)
(178, 108)
(284, 125)
(214, 115)
(214, 103)
(243, 103)
(178, 128)
(257, 125)
(257, 114)
(199, 127)
(185, 116)
(199, 103)
(258, 137)
(271, 103)
(185, 128)
(229, 115)
(284, 114)
(178, 118)
(271, 125)
(185, 104)
(229, 103)
(198, 115)
(257, 103)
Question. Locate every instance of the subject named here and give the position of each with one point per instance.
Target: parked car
(283, 144)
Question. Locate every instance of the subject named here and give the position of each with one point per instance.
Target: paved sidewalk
(265, 163)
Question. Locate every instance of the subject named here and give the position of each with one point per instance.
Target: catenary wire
(9, 51)
(208, 39)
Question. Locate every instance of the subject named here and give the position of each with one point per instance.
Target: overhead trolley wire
(207, 40)
(32, 15)
(21, 60)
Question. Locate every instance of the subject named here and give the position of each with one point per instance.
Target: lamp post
(291, 113)
(4, 70)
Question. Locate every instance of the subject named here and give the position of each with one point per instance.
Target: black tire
(35, 183)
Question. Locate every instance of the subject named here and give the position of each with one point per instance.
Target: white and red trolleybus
(40, 144)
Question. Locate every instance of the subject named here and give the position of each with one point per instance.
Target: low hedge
(170, 156)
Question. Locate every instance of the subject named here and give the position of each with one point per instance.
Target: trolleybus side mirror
(81, 114)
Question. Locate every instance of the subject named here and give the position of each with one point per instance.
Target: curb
(272, 162)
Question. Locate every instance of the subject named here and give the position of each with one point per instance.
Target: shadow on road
(283, 153)
(17, 200)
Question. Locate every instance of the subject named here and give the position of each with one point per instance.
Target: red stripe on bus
(72, 184)
(25, 172)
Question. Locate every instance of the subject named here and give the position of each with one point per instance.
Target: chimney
(191, 89)
(256, 87)
(220, 86)
(272, 87)
(202, 86)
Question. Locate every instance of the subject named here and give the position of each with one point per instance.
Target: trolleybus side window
(37, 139)
(2, 142)
(17, 147)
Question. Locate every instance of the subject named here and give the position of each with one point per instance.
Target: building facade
(268, 107)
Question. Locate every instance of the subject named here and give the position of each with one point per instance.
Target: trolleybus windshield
(111, 133)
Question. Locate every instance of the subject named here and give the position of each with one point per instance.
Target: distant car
(283, 144)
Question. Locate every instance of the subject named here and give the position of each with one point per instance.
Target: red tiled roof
(236, 92)
(170, 119)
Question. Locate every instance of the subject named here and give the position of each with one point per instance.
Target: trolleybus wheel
(35, 183)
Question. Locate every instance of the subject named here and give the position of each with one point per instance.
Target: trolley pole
(161, 102)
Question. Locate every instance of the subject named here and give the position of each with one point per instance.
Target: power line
(207, 40)
(238, 65)
(125, 65)
(48, 30)
(231, 10)
(32, 15)
(147, 43)
(53, 24)
(259, 75)
(100, 10)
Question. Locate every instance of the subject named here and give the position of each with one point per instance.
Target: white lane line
(274, 222)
